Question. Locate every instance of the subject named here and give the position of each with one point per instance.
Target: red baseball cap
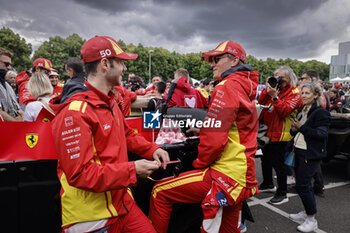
(43, 63)
(228, 46)
(100, 47)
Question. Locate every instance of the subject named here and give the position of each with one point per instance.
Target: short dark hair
(313, 74)
(5, 52)
(161, 87)
(91, 67)
(157, 75)
(335, 91)
(76, 64)
(206, 81)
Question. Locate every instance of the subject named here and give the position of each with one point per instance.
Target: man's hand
(145, 168)
(163, 155)
(149, 94)
(195, 131)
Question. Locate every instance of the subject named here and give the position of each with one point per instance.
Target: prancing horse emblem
(31, 139)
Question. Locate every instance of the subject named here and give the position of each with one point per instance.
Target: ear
(104, 64)
(235, 62)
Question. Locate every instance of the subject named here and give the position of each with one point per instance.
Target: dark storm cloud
(258, 24)
(266, 28)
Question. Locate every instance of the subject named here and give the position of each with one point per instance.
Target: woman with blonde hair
(39, 87)
(310, 129)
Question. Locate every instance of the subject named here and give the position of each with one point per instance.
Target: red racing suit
(276, 117)
(22, 80)
(124, 99)
(92, 139)
(186, 96)
(57, 90)
(225, 167)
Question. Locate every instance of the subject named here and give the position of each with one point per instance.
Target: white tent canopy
(336, 80)
(346, 79)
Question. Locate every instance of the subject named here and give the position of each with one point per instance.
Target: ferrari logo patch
(31, 139)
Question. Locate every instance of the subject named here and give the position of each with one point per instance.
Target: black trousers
(304, 171)
(318, 180)
(273, 157)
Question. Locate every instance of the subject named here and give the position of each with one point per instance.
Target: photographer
(134, 84)
(282, 97)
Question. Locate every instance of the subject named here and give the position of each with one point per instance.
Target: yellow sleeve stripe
(84, 107)
(97, 159)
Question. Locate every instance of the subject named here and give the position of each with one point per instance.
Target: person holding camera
(310, 129)
(283, 98)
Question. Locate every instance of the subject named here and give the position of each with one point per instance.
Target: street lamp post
(149, 63)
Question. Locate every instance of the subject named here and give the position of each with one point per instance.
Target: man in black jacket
(74, 68)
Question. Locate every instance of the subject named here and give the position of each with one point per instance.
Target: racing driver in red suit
(225, 167)
(92, 139)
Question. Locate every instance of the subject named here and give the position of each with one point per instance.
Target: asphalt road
(333, 210)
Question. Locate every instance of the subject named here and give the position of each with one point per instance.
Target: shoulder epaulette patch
(221, 83)
(295, 90)
(78, 105)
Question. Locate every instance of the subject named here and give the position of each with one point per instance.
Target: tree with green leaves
(58, 50)
(18, 46)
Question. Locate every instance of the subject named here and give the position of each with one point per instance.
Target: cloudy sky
(299, 29)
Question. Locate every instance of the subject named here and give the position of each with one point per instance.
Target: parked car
(339, 139)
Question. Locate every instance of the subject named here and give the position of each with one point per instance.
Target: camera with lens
(275, 82)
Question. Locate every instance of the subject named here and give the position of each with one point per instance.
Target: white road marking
(264, 202)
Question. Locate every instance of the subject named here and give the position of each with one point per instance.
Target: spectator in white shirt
(39, 87)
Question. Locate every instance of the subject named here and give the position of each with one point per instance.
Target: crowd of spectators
(290, 103)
